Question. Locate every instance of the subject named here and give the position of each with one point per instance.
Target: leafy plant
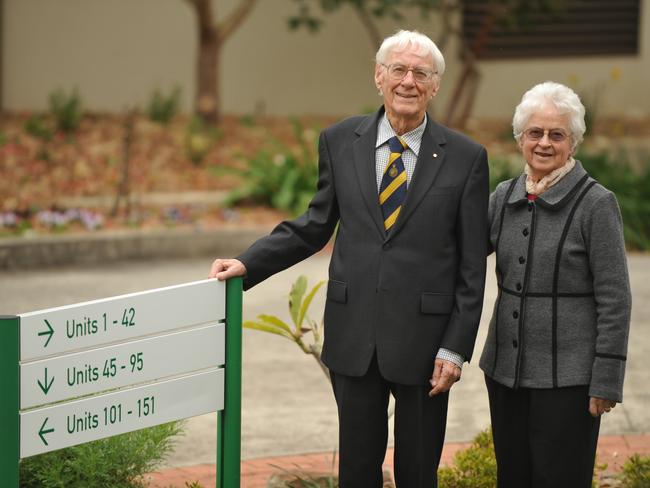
(298, 478)
(280, 177)
(66, 109)
(474, 467)
(119, 462)
(193, 484)
(200, 137)
(306, 480)
(304, 332)
(631, 187)
(162, 108)
(501, 170)
(636, 472)
(36, 125)
(247, 120)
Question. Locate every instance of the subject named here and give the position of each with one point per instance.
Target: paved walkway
(613, 451)
(288, 408)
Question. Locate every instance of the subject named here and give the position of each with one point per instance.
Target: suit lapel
(364, 165)
(429, 162)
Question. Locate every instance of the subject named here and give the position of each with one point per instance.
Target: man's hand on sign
(222, 269)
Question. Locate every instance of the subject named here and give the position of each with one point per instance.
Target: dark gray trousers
(543, 438)
(420, 424)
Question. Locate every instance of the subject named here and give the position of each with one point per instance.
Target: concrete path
(287, 404)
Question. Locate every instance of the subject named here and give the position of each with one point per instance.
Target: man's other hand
(445, 374)
(222, 269)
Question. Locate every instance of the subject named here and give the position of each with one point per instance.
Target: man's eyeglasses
(536, 134)
(398, 72)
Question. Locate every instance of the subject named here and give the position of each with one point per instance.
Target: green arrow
(46, 387)
(49, 332)
(44, 431)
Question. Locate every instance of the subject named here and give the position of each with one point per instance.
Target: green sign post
(49, 401)
(10, 404)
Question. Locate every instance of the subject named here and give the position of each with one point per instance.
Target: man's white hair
(421, 43)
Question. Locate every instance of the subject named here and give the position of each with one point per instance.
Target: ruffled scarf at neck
(538, 187)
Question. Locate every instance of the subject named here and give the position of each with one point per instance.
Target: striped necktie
(393, 184)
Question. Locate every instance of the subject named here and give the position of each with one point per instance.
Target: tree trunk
(464, 93)
(212, 36)
(369, 25)
(207, 100)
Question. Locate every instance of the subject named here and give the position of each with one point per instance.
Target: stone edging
(61, 250)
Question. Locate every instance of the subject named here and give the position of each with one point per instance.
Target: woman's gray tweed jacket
(563, 310)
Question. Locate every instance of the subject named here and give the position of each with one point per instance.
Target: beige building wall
(118, 51)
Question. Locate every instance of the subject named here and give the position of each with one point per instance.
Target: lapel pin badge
(435, 155)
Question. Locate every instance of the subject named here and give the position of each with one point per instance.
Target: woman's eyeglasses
(537, 134)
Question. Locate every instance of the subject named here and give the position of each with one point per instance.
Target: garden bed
(52, 181)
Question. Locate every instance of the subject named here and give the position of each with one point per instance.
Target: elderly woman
(554, 358)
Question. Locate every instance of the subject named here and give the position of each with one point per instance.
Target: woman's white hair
(562, 98)
(422, 44)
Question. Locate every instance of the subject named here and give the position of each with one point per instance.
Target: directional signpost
(74, 374)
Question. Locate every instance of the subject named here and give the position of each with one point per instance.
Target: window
(572, 28)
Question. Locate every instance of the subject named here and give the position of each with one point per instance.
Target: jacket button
(514, 343)
(386, 246)
(518, 286)
(525, 231)
(522, 260)
(515, 315)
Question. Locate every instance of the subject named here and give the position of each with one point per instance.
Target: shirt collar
(413, 138)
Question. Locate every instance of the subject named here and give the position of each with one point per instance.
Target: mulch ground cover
(42, 169)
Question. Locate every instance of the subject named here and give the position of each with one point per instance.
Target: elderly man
(407, 271)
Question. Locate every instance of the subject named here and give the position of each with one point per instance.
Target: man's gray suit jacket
(403, 294)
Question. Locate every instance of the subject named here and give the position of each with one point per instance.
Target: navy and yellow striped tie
(392, 191)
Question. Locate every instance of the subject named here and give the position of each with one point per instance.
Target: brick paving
(612, 450)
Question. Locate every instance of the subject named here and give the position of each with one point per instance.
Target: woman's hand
(599, 406)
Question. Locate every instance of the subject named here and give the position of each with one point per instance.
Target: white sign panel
(84, 325)
(80, 421)
(83, 373)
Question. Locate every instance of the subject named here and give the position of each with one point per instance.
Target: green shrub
(305, 480)
(630, 186)
(66, 109)
(163, 108)
(501, 170)
(247, 120)
(193, 484)
(36, 126)
(116, 462)
(636, 472)
(474, 467)
(279, 177)
(298, 478)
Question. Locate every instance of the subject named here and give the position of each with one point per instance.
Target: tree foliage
(498, 13)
